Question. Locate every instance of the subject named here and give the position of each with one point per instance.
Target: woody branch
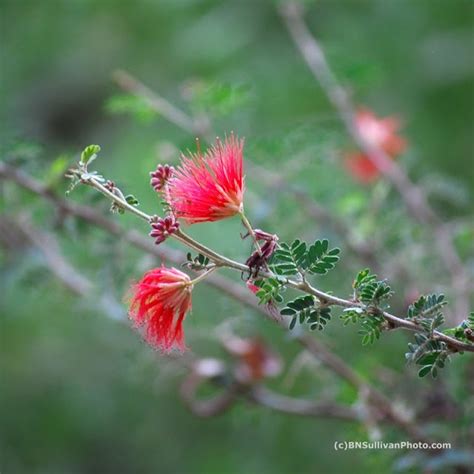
(393, 322)
(258, 395)
(374, 398)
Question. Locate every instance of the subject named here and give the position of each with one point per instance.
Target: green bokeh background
(80, 391)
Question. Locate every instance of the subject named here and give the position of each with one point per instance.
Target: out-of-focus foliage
(80, 391)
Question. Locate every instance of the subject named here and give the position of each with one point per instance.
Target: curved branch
(296, 406)
(209, 407)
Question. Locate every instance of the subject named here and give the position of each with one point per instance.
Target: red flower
(361, 167)
(209, 187)
(380, 133)
(255, 360)
(160, 301)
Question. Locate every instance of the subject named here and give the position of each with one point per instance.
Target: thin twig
(161, 105)
(412, 195)
(49, 248)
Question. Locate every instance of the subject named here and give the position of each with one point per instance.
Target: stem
(203, 275)
(249, 227)
(214, 256)
(303, 286)
(90, 181)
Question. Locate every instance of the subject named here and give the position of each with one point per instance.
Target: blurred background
(81, 392)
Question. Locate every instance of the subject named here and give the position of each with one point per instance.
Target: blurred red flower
(256, 360)
(380, 133)
(209, 187)
(159, 302)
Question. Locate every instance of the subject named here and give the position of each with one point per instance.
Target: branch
(296, 406)
(303, 286)
(48, 246)
(314, 347)
(411, 194)
(136, 239)
(157, 103)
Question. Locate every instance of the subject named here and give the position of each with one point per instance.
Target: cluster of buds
(161, 176)
(261, 256)
(163, 227)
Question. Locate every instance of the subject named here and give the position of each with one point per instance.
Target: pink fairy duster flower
(159, 303)
(380, 133)
(209, 187)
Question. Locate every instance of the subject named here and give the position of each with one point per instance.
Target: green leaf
(294, 258)
(132, 200)
(362, 278)
(370, 291)
(319, 318)
(431, 354)
(319, 259)
(374, 292)
(89, 154)
(426, 306)
(199, 262)
(424, 371)
(352, 315)
(300, 308)
(371, 328)
(304, 309)
(461, 330)
(269, 290)
(288, 259)
(426, 310)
